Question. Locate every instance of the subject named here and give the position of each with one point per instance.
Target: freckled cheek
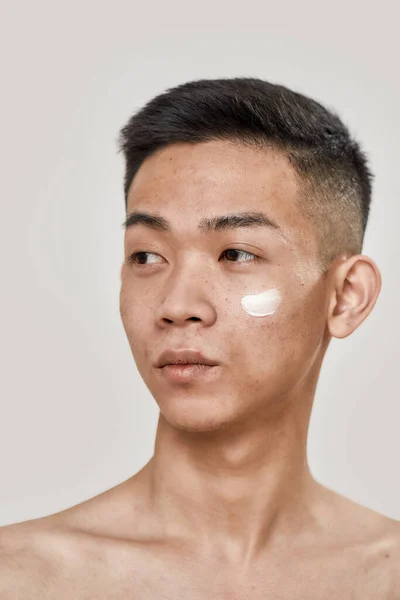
(259, 323)
(133, 310)
(262, 304)
(275, 330)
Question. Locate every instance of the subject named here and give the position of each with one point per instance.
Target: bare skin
(227, 507)
(113, 546)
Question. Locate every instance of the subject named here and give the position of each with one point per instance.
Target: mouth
(187, 371)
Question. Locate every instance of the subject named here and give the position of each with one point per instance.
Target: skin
(227, 506)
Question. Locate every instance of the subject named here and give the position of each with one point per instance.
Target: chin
(193, 426)
(195, 415)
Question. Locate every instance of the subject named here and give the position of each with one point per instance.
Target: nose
(187, 299)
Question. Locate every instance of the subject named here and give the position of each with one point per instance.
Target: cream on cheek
(263, 304)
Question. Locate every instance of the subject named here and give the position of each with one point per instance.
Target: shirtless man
(246, 210)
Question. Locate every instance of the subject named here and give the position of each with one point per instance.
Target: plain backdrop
(76, 417)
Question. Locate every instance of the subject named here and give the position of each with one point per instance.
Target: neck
(235, 491)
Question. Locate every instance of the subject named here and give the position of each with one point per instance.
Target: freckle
(386, 555)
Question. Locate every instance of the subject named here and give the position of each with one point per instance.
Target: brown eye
(141, 258)
(232, 252)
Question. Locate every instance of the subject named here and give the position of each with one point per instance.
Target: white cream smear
(263, 304)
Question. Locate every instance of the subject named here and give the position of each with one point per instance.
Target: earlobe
(356, 285)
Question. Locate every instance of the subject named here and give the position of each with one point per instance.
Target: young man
(246, 207)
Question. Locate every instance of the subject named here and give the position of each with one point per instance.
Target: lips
(189, 373)
(182, 356)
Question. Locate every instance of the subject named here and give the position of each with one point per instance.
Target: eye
(233, 252)
(132, 258)
(241, 252)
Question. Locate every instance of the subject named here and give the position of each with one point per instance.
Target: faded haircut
(332, 171)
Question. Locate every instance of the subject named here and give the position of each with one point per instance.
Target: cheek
(131, 310)
(124, 303)
(280, 341)
(263, 304)
(282, 330)
(262, 317)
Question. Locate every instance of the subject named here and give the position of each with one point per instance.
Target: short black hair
(334, 178)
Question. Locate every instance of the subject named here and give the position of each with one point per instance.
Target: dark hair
(333, 175)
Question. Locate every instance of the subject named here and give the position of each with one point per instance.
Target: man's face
(187, 291)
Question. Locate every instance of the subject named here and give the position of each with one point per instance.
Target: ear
(356, 286)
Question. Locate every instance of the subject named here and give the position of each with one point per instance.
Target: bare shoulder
(392, 557)
(385, 557)
(35, 556)
(378, 573)
(41, 557)
(372, 538)
(24, 568)
(21, 567)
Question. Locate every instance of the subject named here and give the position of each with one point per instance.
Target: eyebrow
(207, 224)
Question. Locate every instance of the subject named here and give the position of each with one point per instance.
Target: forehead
(185, 182)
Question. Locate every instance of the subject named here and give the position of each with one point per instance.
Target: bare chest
(288, 583)
(152, 578)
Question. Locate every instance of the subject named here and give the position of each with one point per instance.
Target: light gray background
(76, 418)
